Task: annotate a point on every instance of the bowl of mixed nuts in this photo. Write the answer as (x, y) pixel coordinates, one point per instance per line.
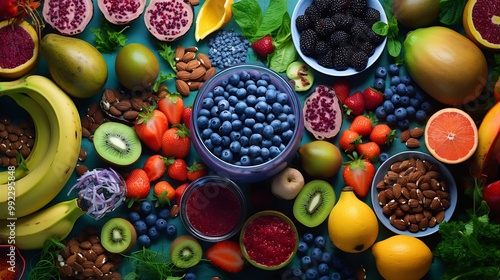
(412, 193)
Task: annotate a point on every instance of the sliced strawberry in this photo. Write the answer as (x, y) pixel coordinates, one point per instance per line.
(226, 255)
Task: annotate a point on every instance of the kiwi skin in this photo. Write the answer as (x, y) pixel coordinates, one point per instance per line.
(313, 215)
(185, 251)
(117, 143)
(121, 228)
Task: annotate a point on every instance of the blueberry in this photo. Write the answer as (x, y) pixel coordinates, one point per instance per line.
(207, 103)
(153, 233)
(190, 276)
(395, 99)
(270, 117)
(257, 160)
(227, 155)
(415, 102)
(254, 150)
(306, 262)
(218, 91)
(285, 126)
(302, 248)
(245, 160)
(323, 269)
(404, 101)
(277, 108)
(379, 84)
(282, 98)
(237, 125)
(146, 207)
(234, 79)
(261, 90)
(208, 144)
(320, 241)
(308, 237)
(250, 112)
(400, 113)
(276, 140)
(251, 100)
(150, 219)
(141, 227)
(225, 115)
(290, 118)
(388, 94)
(225, 128)
(161, 224)
(410, 90)
(217, 150)
(264, 152)
(395, 80)
(225, 141)
(426, 106)
(251, 89)
(233, 99)
(214, 123)
(171, 230)
(287, 135)
(410, 112)
(283, 116)
(258, 127)
(244, 141)
(316, 254)
(311, 274)
(388, 106)
(205, 133)
(224, 82)
(391, 120)
(276, 124)
(204, 112)
(380, 113)
(267, 131)
(401, 89)
(420, 116)
(381, 72)
(393, 69)
(262, 107)
(404, 124)
(405, 79)
(144, 240)
(244, 75)
(274, 151)
(243, 151)
(133, 216)
(235, 147)
(297, 272)
(249, 122)
(241, 93)
(216, 139)
(326, 257)
(383, 157)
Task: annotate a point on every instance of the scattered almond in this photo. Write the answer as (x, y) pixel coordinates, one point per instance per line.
(404, 136)
(412, 143)
(416, 132)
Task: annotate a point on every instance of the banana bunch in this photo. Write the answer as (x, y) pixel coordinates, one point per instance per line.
(30, 232)
(55, 153)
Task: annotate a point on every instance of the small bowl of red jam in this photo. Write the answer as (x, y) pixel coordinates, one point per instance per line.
(269, 240)
(213, 208)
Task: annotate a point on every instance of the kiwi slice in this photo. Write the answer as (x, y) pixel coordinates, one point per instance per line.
(117, 143)
(118, 235)
(314, 203)
(185, 251)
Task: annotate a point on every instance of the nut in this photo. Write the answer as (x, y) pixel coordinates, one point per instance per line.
(181, 65)
(416, 132)
(179, 53)
(404, 136)
(123, 105)
(193, 64)
(210, 73)
(204, 60)
(183, 75)
(182, 87)
(130, 115)
(412, 143)
(188, 56)
(197, 73)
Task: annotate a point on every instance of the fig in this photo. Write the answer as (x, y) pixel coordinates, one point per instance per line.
(169, 20)
(416, 13)
(445, 64)
(322, 113)
(68, 17)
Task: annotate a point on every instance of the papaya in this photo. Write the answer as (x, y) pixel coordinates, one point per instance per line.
(445, 64)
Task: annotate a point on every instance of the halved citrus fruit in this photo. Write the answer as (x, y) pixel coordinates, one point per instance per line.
(19, 49)
(451, 136)
(213, 15)
(481, 20)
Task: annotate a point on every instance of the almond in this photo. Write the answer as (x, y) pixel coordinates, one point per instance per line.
(204, 60)
(101, 260)
(193, 64)
(137, 103)
(382, 199)
(439, 217)
(179, 53)
(404, 136)
(181, 65)
(197, 73)
(416, 132)
(194, 85)
(182, 87)
(192, 49)
(93, 108)
(436, 203)
(82, 155)
(114, 111)
(130, 115)
(109, 95)
(66, 270)
(210, 73)
(412, 143)
(183, 75)
(400, 224)
(188, 56)
(85, 132)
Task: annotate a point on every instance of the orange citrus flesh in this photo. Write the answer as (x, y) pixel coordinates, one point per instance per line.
(213, 15)
(481, 21)
(24, 46)
(451, 135)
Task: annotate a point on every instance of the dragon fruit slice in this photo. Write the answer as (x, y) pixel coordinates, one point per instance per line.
(169, 20)
(68, 17)
(121, 11)
(322, 113)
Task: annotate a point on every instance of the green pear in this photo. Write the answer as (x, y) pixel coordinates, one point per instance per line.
(320, 159)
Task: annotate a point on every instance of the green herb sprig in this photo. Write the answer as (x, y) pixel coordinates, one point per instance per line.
(108, 39)
(46, 267)
(167, 53)
(151, 264)
(389, 29)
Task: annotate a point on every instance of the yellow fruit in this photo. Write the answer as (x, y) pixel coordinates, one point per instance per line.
(21, 42)
(352, 224)
(402, 257)
(213, 15)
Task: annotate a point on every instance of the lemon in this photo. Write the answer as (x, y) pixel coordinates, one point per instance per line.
(352, 224)
(402, 256)
(213, 15)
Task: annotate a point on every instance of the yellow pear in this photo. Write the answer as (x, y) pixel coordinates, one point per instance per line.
(352, 224)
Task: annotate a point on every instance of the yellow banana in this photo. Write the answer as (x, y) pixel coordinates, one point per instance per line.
(42, 133)
(30, 232)
(41, 185)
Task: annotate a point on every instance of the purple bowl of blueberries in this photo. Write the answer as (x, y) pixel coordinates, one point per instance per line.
(247, 123)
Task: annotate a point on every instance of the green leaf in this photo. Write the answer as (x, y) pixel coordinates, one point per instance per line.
(272, 18)
(108, 39)
(283, 56)
(381, 28)
(451, 11)
(394, 47)
(21, 162)
(161, 79)
(167, 53)
(248, 15)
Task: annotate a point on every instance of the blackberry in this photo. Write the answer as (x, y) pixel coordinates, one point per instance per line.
(358, 32)
(326, 59)
(358, 7)
(308, 40)
(324, 26)
(339, 38)
(358, 60)
(343, 21)
(371, 16)
(303, 22)
(338, 6)
(323, 6)
(341, 57)
(321, 48)
(367, 47)
(313, 12)
(373, 37)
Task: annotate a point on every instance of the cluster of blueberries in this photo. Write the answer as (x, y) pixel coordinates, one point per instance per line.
(228, 48)
(403, 100)
(318, 262)
(245, 119)
(150, 223)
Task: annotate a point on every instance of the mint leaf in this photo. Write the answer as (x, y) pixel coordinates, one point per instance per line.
(394, 47)
(451, 11)
(107, 39)
(248, 15)
(272, 19)
(381, 28)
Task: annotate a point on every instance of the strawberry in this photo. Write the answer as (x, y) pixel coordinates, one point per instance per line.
(196, 170)
(226, 255)
(177, 169)
(186, 116)
(179, 191)
(264, 46)
(342, 89)
(369, 150)
(373, 98)
(172, 106)
(155, 166)
(137, 184)
(349, 140)
(176, 141)
(354, 104)
(150, 126)
(382, 134)
(358, 173)
(164, 193)
(362, 124)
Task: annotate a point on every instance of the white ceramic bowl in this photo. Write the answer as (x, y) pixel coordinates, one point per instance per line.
(445, 175)
(299, 10)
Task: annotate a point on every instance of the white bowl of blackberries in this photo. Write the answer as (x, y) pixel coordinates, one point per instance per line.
(335, 37)
(247, 123)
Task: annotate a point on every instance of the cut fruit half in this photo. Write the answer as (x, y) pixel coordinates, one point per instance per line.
(118, 235)
(481, 20)
(19, 49)
(185, 251)
(117, 143)
(451, 136)
(213, 15)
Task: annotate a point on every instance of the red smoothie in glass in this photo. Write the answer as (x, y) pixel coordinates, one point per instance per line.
(213, 210)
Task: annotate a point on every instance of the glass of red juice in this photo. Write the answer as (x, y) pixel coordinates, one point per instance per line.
(213, 208)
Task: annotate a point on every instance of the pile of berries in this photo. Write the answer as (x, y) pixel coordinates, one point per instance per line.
(338, 34)
(403, 100)
(150, 223)
(317, 261)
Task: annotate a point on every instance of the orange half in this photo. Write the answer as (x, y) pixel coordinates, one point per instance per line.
(481, 21)
(212, 15)
(451, 136)
(23, 46)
